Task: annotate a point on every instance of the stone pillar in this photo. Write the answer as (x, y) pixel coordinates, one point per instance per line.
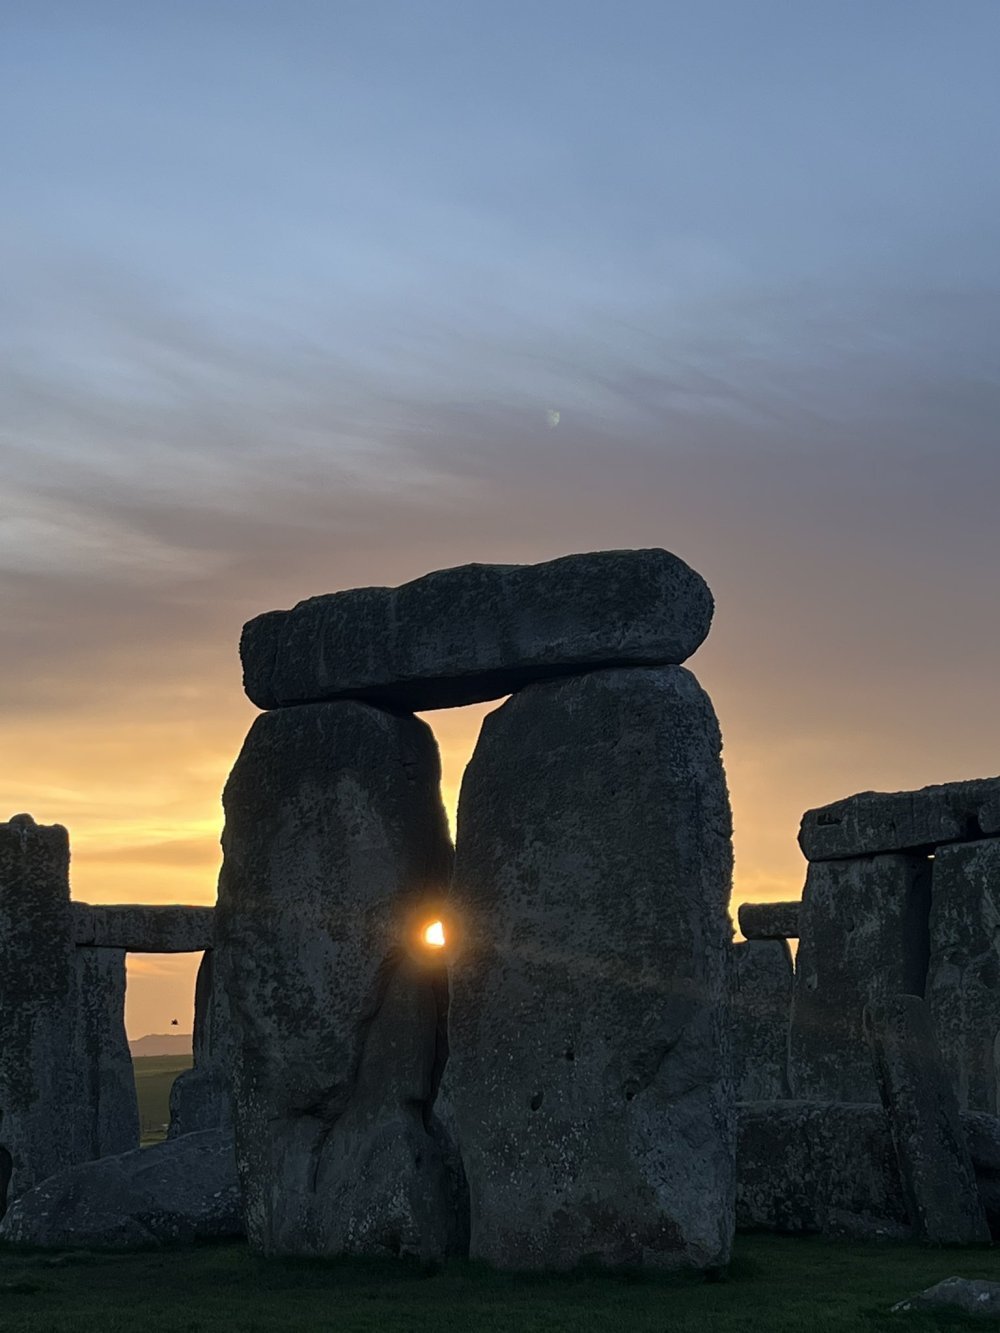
(589, 1075)
(963, 980)
(762, 1001)
(863, 936)
(40, 1120)
(110, 1122)
(336, 852)
(201, 1097)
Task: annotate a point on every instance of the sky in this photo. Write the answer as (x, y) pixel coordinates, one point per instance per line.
(302, 296)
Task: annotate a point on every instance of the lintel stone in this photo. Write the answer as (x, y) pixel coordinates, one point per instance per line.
(769, 921)
(142, 929)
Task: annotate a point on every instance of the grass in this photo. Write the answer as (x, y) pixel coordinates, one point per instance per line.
(154, 1077)
(775, 1285)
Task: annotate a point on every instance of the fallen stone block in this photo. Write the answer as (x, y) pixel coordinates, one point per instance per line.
(877, 821)
(935, 1166)
(477, 632)
(955, 1295)
(179, 1191)
(769, 921)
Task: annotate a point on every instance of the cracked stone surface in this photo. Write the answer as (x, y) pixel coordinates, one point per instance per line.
(588, 1077)
(336, 848)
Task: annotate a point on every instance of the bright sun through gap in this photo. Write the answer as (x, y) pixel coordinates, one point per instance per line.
(434, 935)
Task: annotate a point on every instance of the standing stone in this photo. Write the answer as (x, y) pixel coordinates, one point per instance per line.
(201, 1097)
(336, 851)
(863, 937)
(459, 636)
(39, 1096)
(589, 1026)
(927, 1133)
(111, 1118)
(762, 1001)
(963, 979)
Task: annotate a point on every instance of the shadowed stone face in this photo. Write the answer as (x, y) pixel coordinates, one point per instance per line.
(108, 1079)
(762, 1002)
(201, 1097)
(588, 1074)
(335, 847)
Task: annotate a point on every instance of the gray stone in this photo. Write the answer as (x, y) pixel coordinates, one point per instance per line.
(863, 937)
(180, 1191)
(201, 1097)
(770, 921)
(956, 1295)
(141, 929)
(762, 1001)
(336, 852)
(820, 1168)
(589, 1027)
(40, 1109)
(878, 821)
(931, 1149)
(111, 1113)
(982, 1134)
(478, 632)
(963, 977)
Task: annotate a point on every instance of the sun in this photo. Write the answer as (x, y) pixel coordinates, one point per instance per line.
(433, 935)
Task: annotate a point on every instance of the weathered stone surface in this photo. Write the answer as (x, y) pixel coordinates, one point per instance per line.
(336, 849)
(141, 929)
(39, 1087)
(822, 1168)
(934, 1163)
(963, 977)
(110, 1122)
(762, 1002)
(829, 1168)
(478, 632)
(201, 1097)
(589, 1026)
(878, 821)
(956, 1295)
(179, 1191)
(863, 937)
(769, 921)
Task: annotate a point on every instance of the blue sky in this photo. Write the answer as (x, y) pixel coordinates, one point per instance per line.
(290, 295)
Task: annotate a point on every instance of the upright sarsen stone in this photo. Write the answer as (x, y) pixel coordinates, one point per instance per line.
(762, 1003)
(201, 1097)
(863, 936)
(588, 1074)
(335, 847)
(963, 978)
(110, 1120)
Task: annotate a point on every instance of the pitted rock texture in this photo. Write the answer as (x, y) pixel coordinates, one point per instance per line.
(40, 1094)
(863, 937)
(588, 1074)
(877, 821)
(335, 850)
(110, 1120)
(201, 1097)
(963, 977)
(935, 1166)
(174, 1192)
(769, 921)
(477, 632)
(142, 929)
(762, 1004)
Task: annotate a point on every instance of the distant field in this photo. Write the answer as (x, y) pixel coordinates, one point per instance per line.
(154, 1077)
(775, 1285)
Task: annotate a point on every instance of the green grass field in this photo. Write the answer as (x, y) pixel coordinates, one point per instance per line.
(154, 1076)
(776, 1285)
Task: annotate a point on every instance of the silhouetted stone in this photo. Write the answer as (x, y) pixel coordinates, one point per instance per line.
(39, 1084)
(863, 937)
(876, 821)
(201, 1097)
(180, 1191)
(110, 1121)
(589, 1027)
(335, 848)
(142, 929)
(934, 1163)
(955, 1296)
(762, 1002)
(477, 632)
(963, 977)
(769, 921)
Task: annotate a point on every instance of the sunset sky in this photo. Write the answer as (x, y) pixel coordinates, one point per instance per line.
(302, 296)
